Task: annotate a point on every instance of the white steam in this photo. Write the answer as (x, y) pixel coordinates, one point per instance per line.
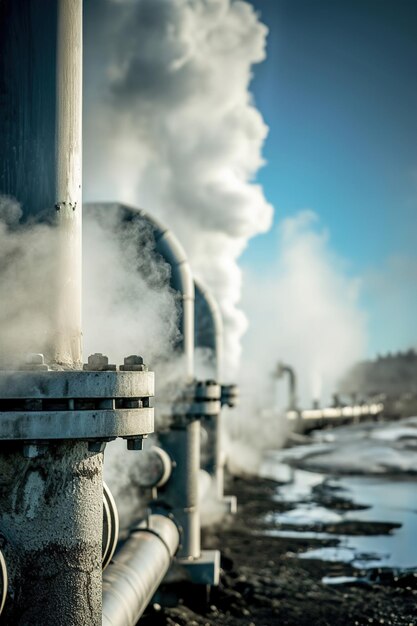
(308, 309)
(305, 313)
(170, 126)
(27, 280)
(128, 306)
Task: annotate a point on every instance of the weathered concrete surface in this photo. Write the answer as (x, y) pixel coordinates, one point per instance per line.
(51, 515)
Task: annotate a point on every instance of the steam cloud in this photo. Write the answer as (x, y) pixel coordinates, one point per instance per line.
(308, 310)
(170, 125)
(26, 284)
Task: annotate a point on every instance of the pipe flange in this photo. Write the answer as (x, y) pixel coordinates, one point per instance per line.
(199, 400)
(92, 405)
(230, 395)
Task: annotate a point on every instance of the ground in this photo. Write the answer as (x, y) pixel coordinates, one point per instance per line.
(264, 584)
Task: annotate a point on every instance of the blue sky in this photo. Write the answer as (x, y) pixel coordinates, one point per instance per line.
(339, 93)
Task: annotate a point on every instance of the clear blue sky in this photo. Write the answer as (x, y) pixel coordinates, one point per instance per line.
(339, 93)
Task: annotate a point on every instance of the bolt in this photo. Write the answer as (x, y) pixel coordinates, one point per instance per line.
(34, 450)
(96, 446)
(99, 362)
(133, 363)
(136, 443)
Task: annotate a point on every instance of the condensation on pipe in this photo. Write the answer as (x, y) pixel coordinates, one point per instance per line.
(208, 326)
(136, 572)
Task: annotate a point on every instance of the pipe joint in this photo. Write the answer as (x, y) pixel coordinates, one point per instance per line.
(200, 399)
(97, 404)
(230, 395)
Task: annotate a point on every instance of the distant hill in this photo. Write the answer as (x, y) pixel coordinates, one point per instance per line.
(393, 375)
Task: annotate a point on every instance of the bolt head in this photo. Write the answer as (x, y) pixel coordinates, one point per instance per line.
(133, 359)
(96, 446)
(98, 359)
(135, 443)
(99, 362)
(133, 363)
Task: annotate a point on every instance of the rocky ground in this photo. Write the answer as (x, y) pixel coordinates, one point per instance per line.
(263, 583)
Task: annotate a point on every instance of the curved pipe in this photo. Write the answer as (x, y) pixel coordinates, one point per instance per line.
(286, 369)
(133, 577)
(208, 326)
(182, 442)
(4, 582)
(181, 279)
(110, 526)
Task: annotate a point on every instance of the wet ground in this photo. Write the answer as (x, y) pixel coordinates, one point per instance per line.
(309, 552)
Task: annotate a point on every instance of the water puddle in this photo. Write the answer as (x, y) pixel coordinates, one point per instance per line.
(373, 520)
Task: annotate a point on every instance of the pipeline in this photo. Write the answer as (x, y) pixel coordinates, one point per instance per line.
(208, 327)
(309, 419)
(292, 380)
(192, 402)
(209, 335)
(133, 577)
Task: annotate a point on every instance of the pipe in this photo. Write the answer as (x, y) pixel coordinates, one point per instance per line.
(209, 334)
(208, 327)
(133, 577)
(40, 148)
(110, 526)
(182, 441)
(292, 380)
(181, 278)
(51, 501)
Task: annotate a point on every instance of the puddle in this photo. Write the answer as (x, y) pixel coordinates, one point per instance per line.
(371, 501)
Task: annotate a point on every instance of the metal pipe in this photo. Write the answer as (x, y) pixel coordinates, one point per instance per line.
(181, 491)
(181, 278)
(51, 512)
(40, 148)
(51, 498)
(110, 526)
(183, 440)
(292, 380)
(208, 327)
(209, 334)
(133, 577)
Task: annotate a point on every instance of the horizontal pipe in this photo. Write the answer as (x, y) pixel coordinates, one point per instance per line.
(137, 570)
(359, 410)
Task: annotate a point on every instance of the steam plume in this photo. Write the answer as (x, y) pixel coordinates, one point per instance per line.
(171, 126)
(308, 310)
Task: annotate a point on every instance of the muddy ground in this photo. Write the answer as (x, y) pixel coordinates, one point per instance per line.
(263, 583)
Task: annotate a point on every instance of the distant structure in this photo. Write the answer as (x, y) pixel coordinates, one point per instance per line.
(281, 370)
(393, 375)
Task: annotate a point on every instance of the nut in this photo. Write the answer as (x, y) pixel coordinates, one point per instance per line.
(99, 362)
(136, 443)
(96, 446)
(133, 363)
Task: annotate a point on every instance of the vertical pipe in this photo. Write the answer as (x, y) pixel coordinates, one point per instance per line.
(181, 491)
(68, 153)
(208, 327)
(209, 334)
(50, 495)
(51, 511)
(40, 147)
